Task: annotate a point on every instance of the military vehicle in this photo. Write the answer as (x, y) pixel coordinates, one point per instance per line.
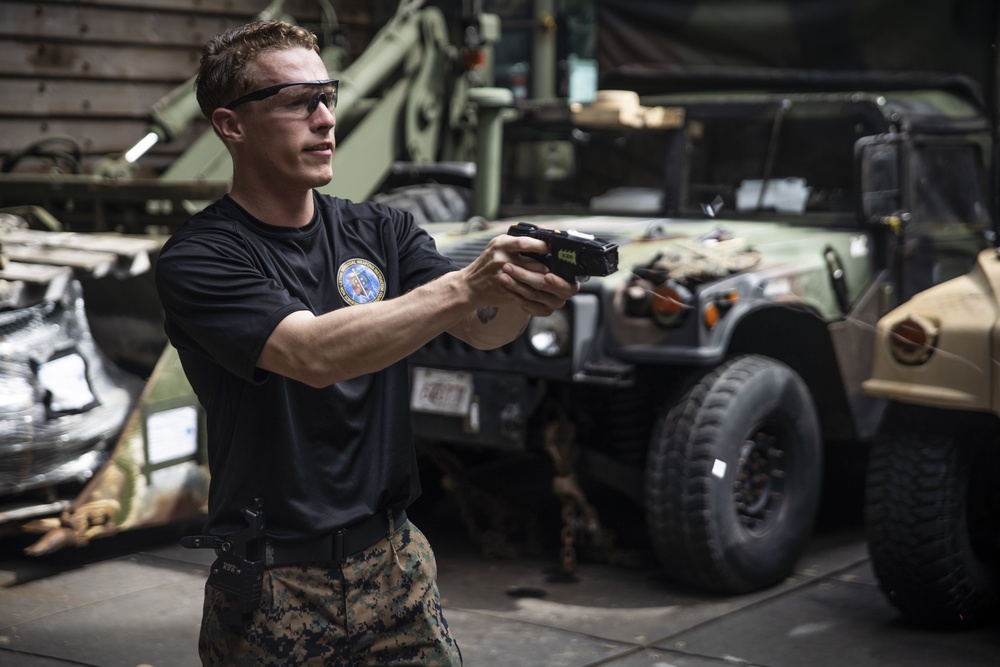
(765, 218)
(932, 513)
(99, 430)
(932, 508)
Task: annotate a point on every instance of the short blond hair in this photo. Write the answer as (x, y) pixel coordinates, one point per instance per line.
(227, 60)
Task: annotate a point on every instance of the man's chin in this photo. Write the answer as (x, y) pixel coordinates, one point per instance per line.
(319, 179)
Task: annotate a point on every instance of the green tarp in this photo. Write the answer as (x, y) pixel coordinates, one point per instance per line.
(824, 42)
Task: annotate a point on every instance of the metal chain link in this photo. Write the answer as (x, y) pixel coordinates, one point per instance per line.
(493, 540)
(560, 443)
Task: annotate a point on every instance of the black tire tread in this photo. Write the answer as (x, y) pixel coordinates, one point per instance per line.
(916, 492)
(678, 475)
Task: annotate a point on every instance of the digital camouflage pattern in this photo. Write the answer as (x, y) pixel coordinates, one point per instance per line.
(381, 608)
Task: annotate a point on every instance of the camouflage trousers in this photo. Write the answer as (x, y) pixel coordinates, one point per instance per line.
(381, 607)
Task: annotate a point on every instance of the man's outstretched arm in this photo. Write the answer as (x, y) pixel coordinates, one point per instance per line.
(486, 304)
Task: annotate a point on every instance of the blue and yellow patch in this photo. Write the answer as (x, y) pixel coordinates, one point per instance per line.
(360, 281)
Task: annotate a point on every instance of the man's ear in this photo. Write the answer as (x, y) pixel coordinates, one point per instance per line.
(227, 124)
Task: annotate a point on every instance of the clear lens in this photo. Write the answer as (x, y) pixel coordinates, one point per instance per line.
(551, 336)
(302, 100)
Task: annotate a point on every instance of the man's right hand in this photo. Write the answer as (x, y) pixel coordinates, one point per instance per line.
(504, 276)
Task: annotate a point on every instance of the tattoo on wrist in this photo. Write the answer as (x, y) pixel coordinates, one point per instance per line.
(487, 313)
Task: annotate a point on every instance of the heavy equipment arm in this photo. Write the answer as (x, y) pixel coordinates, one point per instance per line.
(401, 100)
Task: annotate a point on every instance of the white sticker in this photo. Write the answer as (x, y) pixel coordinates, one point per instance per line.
(66, 380)
(719, 469)
(172, 434)
(778, 287)
(859, 246)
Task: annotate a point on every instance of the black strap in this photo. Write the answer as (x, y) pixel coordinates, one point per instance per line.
(201, 542)
(339, 546)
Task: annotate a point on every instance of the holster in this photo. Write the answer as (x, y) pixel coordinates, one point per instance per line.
(238, 572)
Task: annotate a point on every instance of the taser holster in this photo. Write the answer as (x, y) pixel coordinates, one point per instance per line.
(238, 572)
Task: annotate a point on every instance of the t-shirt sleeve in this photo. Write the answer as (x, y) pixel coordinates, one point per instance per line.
(420, 261)
(218, 302)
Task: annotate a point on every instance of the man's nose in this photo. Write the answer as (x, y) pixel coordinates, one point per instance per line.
(324, 115)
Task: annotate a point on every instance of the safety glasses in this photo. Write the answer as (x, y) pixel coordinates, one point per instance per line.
(294, 98)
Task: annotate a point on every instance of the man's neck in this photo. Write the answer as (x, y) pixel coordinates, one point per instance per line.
(290, 210)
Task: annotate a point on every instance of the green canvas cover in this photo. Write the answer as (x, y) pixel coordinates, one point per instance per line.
(818, 43)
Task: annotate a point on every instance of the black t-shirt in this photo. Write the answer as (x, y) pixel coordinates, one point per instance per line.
(320, 458)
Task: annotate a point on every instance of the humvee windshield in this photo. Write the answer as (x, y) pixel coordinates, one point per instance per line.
(790, 159)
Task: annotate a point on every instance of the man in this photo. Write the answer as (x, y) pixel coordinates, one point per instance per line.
(293, 314)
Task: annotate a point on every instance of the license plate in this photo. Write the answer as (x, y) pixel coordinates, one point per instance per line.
(441, 392)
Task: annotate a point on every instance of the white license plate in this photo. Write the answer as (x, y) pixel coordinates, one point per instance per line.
(441, 392)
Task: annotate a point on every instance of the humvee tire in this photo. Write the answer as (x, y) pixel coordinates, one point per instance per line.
(733, 477)
(918, 514)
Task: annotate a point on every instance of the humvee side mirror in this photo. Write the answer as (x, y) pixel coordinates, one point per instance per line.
(880, 188)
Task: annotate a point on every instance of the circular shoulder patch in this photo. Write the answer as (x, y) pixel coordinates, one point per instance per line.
(360, 281)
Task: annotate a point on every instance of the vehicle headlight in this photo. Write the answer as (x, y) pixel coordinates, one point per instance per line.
(912, 340)
(551, 336)
(671, 302)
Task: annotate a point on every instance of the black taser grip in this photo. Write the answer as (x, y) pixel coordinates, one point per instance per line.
(572, 256)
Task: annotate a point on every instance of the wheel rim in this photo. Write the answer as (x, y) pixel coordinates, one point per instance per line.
(758, 487)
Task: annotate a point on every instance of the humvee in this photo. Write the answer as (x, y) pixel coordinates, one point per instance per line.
(760, 234)
(933, 509)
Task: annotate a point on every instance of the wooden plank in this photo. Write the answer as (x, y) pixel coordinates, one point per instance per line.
(95, 264)
(130, 256)
(36, 273)
(106, 26)
(122, 246)
(68, 98)
(300, 9)
(34, 58)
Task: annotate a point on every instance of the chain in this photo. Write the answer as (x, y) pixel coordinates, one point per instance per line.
(567, 552)
(559, 435)
(576, 510)
(492, 540)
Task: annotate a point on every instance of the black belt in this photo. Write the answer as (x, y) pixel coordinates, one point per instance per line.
(338, 546)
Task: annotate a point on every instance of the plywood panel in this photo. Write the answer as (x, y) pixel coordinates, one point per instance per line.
(74, 22)
(68, 98)
(81, 60)
(302, 10)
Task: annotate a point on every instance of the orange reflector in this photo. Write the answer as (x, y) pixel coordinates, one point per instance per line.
(909, 336)
(711, 315)
(473, 59)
